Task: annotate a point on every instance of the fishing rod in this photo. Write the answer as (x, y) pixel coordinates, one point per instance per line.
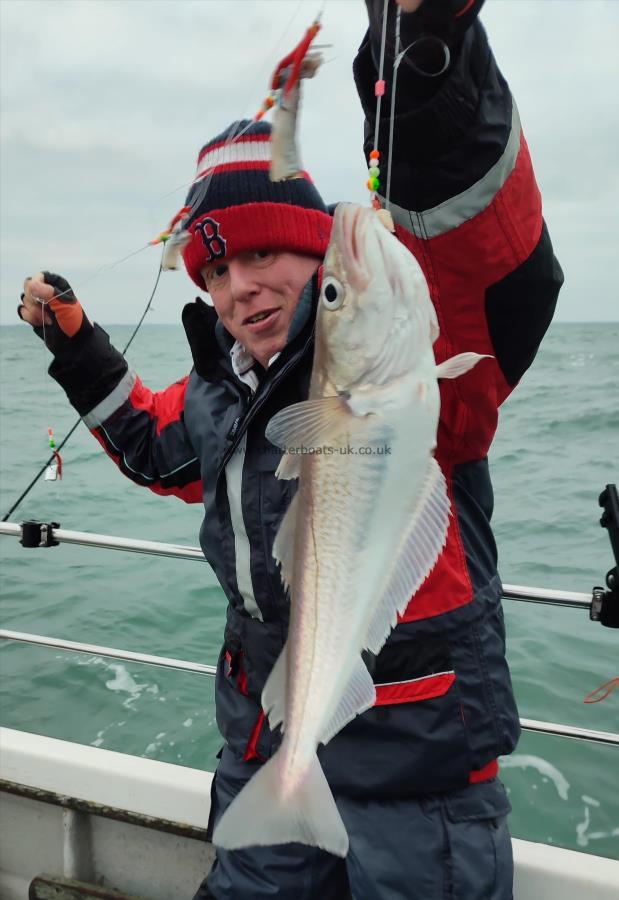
(51, 459)
(172, 238)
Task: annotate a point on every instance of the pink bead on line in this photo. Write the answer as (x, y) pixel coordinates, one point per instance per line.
(379, 88)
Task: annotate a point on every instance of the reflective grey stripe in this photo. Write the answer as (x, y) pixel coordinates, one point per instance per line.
(465, 206)
(112, 402)
(234, 482)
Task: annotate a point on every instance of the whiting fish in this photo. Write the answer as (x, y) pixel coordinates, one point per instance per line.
(366, 525)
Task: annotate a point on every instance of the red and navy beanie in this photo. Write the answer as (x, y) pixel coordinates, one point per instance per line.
(235, 207)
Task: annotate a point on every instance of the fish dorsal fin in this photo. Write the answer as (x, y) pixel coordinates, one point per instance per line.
(417, 553)
(310, 423)
(459, 364)
(360, 694)
(275, 689)
(283, 545)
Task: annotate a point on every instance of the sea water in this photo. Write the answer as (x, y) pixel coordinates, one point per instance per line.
(557, 447)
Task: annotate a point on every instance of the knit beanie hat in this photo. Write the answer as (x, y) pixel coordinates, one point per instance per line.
(235, 207)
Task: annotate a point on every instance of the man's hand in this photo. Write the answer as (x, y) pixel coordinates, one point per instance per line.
(445, 21)
(50, 306)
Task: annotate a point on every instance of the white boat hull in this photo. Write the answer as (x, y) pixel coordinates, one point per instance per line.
(138, 826)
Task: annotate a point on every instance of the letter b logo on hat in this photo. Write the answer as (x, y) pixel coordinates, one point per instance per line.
(213, 242)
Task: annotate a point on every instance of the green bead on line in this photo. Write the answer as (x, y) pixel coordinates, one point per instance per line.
(375, 184)
(373, 171)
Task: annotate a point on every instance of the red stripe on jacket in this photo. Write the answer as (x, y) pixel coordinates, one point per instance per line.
(458, 273)
(415, 689)
(164, 406)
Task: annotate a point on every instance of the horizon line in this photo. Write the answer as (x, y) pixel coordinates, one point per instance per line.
(180, 324)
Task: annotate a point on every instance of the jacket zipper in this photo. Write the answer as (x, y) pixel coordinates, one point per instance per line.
(256, 405)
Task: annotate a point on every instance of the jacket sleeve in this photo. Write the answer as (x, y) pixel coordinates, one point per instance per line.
(143, 432)
(465, 201)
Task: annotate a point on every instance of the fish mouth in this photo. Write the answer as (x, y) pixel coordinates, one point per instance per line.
(349, 228)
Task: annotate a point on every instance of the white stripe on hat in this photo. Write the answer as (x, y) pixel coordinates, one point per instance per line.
(240, 152)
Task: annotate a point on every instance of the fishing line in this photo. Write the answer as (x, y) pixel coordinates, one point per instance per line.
(248, 101)
(205, 178)
(374, 167)
(232, 138)
(381, 71)
(397, 58)
(399, 55)
(107, 267)
(52, 458)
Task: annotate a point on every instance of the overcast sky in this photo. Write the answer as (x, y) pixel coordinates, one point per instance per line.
(105, 103)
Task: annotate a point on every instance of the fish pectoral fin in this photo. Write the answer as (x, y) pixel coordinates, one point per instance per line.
(310, 424)
(289, 467)
(459, 364)
(283, 545)
(275, 689)
(360, 694)
(264, 813)
(415, 557)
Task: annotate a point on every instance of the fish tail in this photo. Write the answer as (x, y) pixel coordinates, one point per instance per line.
(262, 814)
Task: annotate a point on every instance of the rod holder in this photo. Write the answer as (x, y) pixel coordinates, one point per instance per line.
(38, 534)
(605, 602)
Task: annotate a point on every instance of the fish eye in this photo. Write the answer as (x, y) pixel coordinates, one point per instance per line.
(332, 293)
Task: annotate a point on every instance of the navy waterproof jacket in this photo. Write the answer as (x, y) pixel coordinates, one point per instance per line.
(465, 201)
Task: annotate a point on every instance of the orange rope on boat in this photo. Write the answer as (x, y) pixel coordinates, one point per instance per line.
(604, 690)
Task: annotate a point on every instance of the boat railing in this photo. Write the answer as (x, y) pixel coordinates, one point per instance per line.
(51, 535)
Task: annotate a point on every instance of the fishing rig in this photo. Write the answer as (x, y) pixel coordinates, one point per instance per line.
(283, 94)
(602, 604)
(301, 62)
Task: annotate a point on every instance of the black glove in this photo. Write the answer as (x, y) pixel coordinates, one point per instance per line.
(68, 321)
(445, 20)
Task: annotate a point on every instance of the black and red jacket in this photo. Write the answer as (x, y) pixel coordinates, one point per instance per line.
(466, 203)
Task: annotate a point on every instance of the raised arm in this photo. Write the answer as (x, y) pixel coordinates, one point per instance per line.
(143, 432)
(464, 199)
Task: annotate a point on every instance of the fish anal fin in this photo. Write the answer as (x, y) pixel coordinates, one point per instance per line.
(274, 691)
(360, 694)
(415, 557)
(458, 365)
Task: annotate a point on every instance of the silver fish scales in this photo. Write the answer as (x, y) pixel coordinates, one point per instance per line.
(365, 528)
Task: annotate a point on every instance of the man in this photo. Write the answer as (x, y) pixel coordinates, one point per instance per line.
(414, 777)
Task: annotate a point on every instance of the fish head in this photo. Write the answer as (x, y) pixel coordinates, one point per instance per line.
(375, 319)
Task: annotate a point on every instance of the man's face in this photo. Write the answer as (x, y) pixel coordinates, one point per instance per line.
(256, 294)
